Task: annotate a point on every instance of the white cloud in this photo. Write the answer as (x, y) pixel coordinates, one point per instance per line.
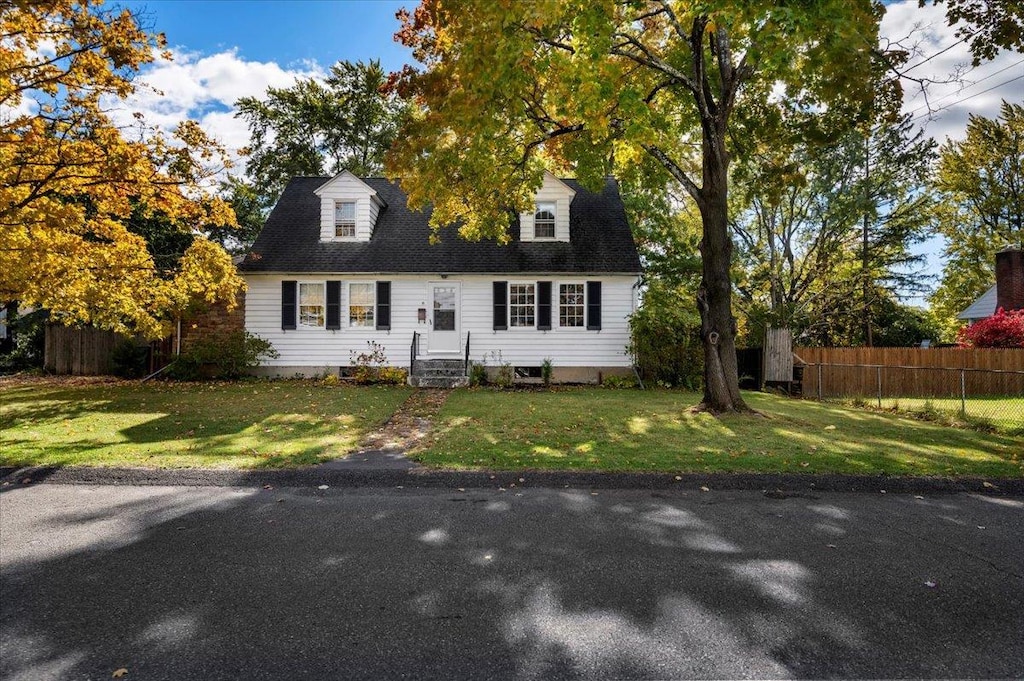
(205, 88)
(924, 29)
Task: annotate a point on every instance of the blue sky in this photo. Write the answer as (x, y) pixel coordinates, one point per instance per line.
(287, 32)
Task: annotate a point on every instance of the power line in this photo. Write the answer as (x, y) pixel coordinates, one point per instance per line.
(942, 51)
(968, 87)
(964, 99)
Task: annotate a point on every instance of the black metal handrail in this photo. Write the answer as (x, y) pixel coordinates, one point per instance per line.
(413, 351)
(465, 366)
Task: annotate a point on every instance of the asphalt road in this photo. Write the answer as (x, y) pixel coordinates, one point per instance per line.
(225, 583)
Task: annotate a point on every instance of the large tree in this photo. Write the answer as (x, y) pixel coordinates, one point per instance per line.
(980, 180)
(593, 86)
(826, 229)
(317, 127)
(70, 178)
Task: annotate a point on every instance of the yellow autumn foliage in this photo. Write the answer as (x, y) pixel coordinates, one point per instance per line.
(69, 175)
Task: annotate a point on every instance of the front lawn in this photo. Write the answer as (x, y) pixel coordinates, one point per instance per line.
(627, 430)
(262, 424)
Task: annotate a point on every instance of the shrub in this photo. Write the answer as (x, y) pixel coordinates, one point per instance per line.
(1001, 330)
(545, 370)
(129, 360)
(29, 332)
(618, 382)
(369, 367)
(478, 374)
(229, 356)
(665, 339)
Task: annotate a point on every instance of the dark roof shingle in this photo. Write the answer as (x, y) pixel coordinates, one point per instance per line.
(600, 239)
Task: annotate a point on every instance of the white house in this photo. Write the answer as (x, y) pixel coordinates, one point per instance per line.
(342, 262)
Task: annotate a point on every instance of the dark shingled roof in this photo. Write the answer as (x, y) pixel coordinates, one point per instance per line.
(601, 240)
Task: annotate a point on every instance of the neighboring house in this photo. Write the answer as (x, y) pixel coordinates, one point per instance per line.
(342, 262)
(1008, 292)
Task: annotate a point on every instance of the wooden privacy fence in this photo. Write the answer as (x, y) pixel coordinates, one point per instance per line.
(87, 351)
(895, 372)
(79, 351)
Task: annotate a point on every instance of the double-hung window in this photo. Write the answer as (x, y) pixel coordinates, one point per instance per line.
(522, 305)
(544, 221)
(360, 305)
(345, 219)
(571, 307)
(312, 307)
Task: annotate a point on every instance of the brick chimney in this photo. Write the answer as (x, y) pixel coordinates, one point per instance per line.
(1010, 279)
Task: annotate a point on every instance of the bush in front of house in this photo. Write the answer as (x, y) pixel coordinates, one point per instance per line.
(665, 340)
(229, 356)
(370, 367)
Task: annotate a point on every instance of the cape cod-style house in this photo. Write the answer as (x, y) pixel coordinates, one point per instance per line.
(342, 263)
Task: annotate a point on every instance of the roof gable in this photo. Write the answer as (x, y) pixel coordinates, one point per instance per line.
(345, 180)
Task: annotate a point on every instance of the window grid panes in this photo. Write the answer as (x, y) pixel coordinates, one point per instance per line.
(345, 219)
(544, 221)
(570, 305)
(311, 305)
(521, 307)
(360, 304)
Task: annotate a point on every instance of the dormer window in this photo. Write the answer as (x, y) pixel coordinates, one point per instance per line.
(345, 219)
(544, 221)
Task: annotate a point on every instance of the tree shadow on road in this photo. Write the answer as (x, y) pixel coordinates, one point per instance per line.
(304, 583)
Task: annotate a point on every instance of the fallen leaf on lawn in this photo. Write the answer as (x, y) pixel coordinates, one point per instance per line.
(705, 489)
(118, 673)
(930, 584)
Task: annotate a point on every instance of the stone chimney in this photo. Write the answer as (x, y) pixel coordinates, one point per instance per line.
(1010, 279)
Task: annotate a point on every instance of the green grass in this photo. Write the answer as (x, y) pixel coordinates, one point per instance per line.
(625, 430)
(171, 425)
(1002, 414)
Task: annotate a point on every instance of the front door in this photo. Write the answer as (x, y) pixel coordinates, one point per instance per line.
(443, 331)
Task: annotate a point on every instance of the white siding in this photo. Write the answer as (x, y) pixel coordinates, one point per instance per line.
(575, 347)
(347, 187)
(558, 192)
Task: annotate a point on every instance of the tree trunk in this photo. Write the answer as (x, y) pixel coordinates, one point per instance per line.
(714, 299)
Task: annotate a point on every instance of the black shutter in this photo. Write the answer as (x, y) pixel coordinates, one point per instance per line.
(288, 304)
(383, 305)
(500, 305)
(334, 305)
(543, 305)
(594, 305)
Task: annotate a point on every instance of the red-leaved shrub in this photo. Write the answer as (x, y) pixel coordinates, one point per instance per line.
(1001, 330)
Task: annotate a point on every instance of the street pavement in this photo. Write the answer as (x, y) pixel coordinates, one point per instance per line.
(306, 583)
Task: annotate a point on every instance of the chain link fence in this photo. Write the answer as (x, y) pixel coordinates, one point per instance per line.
(988, 398)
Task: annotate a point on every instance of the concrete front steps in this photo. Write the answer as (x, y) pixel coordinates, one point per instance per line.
(439, 373)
